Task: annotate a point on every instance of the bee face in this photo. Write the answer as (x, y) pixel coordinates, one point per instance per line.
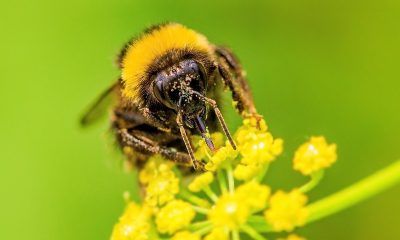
(175, 88)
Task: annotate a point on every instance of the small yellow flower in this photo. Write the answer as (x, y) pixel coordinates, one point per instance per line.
(254, 123)
(202, 150)
(314, 155)
(176, 215)
(257, 146)
(229, 212)
(218, 234)
(155, 166)
(287, 210)
(277, 147)
(254, 195)
(223, 156)
(162, 189)
(201, 181)
(250, 126)
(185, 235)
(246, 172)
(133, 224)
(292, 237)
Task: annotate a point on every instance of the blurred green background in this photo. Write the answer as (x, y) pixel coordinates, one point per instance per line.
(316, 67)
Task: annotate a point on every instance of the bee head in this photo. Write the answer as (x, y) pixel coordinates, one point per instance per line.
(182, 88)
(174, 87)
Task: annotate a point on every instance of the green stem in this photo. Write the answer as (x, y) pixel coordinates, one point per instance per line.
(153, 234)
(231, 180)
(362, 190)
(222, 181)
(193, 199)
(204, 230)
(356, 193)
(235, 235)
(315, 179)
(252, 232)
(199, 225)
(263, 172)
(200, 210)
(210, 193)
(259, 224)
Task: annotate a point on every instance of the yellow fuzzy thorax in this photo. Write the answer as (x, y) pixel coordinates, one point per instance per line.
(143, 52)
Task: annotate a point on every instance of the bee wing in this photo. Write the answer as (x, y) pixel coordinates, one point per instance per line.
(99, 108)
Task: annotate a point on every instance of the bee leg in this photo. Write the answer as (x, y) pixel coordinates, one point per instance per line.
(142, 144)
(154, 120)
(136, 118)
(234, 77)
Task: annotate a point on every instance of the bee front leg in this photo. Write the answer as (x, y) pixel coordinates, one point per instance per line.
(140, 143)
(154, 120)
(234, 77)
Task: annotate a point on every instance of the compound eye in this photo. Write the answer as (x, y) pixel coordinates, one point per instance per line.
(159, 91)
(200, 83)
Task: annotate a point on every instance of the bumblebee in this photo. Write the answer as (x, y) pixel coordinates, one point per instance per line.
(169, 89)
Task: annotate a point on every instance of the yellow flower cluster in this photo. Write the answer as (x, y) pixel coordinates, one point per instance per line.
(171, 215)
(222, 158)
(133, 224)
(202, 150)
(256, 145)
(254, 195)
(175, 216)
(257, 148)
(287, 210)
(185, 235)
(231, 210)
(314, 155)
(217, 234)
(155, 166)
(201, 181)
(160, 181)
(223, 202)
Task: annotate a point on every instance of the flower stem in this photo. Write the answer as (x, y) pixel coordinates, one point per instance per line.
(193, 199)
(259, 224)
(315, 179)
(222, 181)
(153, 232)
(204, 230)
(355, 193)
(231, 181)
(235, 235)
(199, 225)
(252, 232)
(210, 193)
(263, 172)
(362, 190)
(200, 210)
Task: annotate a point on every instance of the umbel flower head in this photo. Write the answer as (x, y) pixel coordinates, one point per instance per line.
(314, 155)
(287, 210)
(175, 215)
(133, 224)
(231, 199)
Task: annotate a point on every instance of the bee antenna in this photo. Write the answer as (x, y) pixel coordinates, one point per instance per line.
(218, 113)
